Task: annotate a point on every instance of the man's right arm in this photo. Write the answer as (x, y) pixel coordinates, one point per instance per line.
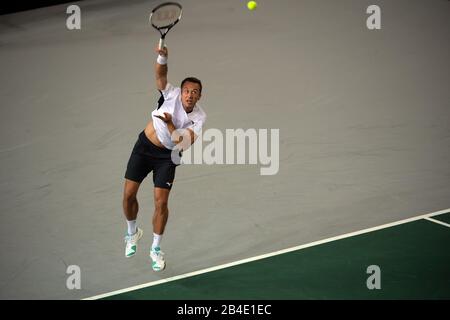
(161, 69)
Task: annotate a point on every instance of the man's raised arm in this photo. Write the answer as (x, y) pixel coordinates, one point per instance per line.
(161, 68)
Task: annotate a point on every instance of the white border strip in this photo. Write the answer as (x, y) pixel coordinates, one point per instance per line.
(227, 265)
(437, 221)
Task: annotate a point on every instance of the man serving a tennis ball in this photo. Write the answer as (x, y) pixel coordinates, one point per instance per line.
(177, 120)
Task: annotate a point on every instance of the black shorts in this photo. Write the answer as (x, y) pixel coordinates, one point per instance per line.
(147, 157)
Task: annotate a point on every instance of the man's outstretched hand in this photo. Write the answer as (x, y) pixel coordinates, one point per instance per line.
(167, 117)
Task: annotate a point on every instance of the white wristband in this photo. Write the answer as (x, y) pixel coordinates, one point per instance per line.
(161, 59)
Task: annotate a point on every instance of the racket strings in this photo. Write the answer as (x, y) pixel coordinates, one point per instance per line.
(165, 16)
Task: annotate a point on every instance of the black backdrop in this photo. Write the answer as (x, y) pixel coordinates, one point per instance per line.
(22, 5)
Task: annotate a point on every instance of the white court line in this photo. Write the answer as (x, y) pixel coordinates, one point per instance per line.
(437, 221)
(227, 265)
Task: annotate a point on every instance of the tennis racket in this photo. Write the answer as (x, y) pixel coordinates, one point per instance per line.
(164, 17)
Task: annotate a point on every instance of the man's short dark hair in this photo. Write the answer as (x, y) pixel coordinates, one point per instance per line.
(192, 79)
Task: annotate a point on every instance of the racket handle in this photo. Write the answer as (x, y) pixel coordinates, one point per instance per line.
(161, 43)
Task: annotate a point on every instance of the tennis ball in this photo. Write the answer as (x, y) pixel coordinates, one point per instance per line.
(251, 5)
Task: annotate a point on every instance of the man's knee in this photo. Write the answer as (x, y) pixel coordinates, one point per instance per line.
(129, 196)
(130, 191)
(161, 205)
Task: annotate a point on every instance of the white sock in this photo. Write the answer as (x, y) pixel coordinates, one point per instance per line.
(131, 227)
(156, 240)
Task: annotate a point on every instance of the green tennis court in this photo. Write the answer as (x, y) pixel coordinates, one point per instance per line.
(413, 260)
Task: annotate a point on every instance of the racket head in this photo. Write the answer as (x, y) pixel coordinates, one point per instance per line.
(165, 16)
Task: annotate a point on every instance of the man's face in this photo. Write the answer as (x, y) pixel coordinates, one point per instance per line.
(190, 94)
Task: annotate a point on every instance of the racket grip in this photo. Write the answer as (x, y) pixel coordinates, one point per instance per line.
(161, 43)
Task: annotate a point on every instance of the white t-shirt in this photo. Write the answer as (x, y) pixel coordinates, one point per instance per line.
(172, 104)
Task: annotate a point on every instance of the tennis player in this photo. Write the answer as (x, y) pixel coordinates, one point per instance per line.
(177, 109)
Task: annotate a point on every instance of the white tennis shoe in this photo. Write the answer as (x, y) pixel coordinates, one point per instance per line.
(157, 256)
(131, 243)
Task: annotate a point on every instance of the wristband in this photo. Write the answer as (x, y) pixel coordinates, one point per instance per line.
(161, 60)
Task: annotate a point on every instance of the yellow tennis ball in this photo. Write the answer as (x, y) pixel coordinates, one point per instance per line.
(251, 5)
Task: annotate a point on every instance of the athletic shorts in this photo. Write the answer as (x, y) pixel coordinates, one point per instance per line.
(147, 157)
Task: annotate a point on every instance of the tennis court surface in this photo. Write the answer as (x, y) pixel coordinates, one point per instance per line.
(412, 258)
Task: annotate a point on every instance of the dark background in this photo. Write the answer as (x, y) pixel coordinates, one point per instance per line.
(16, 6)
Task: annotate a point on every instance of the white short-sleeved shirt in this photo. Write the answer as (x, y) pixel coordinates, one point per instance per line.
(172, 104)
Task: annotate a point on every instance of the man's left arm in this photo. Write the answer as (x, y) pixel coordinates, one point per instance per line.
(186, 139)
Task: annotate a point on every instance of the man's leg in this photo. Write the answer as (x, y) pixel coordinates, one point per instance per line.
(160, 216)
(161, 198)
(130, 203)
(130, 209)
